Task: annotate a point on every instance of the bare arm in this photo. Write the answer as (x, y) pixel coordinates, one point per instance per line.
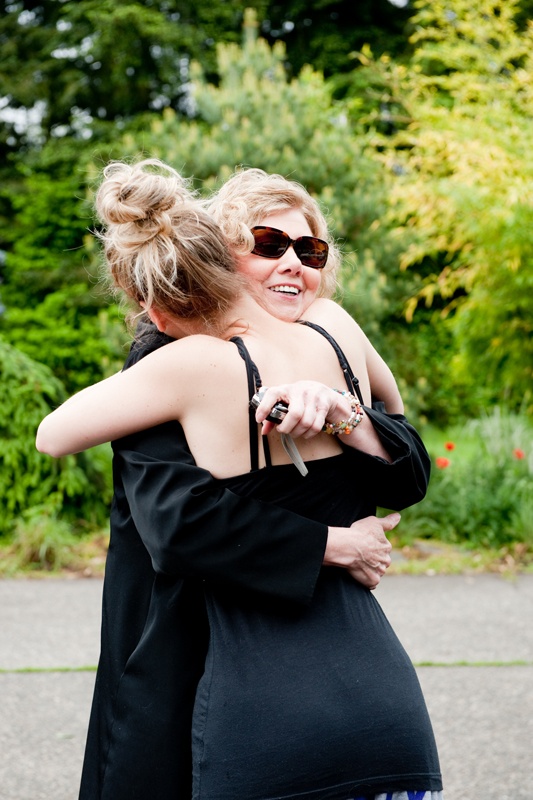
(157, 389)
(112, 407)
(339, 324)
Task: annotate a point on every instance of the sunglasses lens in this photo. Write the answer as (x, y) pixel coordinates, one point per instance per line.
(311, 251)
(273, 243)
(269, 243)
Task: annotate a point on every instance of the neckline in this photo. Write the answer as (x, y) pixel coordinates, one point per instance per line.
(313, 465)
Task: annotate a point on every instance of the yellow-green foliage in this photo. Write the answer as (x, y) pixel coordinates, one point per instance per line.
(463, 199)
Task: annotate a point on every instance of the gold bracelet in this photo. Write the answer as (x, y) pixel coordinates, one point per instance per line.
(346, 426)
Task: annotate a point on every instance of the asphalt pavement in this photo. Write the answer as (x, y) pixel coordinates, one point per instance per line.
(470, 637)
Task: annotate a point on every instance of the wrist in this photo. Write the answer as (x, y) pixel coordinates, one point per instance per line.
(339, 548)
(349, 421)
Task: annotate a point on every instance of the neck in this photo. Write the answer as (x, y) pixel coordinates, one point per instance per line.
(246, 316)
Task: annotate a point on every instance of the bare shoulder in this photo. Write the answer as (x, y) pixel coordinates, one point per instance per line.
(374, 374)
(198, 347)
(335, 319)
(190, 361)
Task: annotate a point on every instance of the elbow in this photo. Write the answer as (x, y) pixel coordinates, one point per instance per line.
(47, 444)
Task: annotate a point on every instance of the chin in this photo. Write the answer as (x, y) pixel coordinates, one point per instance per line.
(284, 310)
(286, 314)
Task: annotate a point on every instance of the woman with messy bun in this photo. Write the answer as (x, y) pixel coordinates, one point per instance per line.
(316, 702)
(153, 252)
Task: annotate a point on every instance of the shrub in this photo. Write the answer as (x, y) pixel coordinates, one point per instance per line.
(78, 486)
(482, 485)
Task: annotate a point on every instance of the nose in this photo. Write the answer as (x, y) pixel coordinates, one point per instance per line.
(289, 262)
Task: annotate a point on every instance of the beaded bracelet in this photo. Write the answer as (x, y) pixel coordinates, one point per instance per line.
(346, 426)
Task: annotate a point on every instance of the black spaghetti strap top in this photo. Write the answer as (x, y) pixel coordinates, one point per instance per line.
(254, 384)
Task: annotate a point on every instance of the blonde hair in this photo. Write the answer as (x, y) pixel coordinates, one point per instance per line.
(250, 195)
(162, 249)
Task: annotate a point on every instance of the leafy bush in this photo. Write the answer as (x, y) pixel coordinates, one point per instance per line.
(481, 491)
(50, 281)
(78, 486)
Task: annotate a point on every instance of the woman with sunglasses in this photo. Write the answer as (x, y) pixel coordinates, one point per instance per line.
(318, 703)
(242, 206)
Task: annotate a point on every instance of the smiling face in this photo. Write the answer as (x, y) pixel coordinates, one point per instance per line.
(283, 286)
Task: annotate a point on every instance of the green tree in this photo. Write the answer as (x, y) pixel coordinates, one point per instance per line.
(75, 62)
(55, 308)
(325, 33)
(68, 65)
(460, 194)
(259, 116)
(424, 169)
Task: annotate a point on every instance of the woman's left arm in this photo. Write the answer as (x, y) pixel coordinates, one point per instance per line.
(310, 406)
(331, 316)
(390, 454)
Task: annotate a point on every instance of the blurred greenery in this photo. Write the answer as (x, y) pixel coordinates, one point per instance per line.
(31, 483)
(481, 492)
(412, 127)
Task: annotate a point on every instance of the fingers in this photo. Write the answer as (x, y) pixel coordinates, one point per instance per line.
(362, 549)
(368, 579)
(374, 549)
(304, 420)
(309, 403)
(371, 574)
(390, 521)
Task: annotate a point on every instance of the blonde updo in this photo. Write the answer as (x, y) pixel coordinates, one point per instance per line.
(162, 249)
(251, 195)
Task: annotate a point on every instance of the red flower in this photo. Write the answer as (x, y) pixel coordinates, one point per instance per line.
(518, 453)
(449, 446)
(442, 462)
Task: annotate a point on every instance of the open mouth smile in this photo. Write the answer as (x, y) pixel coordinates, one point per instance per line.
(284, 289)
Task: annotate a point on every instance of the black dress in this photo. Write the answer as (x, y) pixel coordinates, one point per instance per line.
(321, 703)
(171, 526)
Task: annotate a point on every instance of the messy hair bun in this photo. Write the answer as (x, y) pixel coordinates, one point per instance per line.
(162, 249)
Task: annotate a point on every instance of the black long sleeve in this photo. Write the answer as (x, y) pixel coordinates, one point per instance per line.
(404, 481)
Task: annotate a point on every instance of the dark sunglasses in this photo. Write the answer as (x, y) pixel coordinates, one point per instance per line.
(273, 243)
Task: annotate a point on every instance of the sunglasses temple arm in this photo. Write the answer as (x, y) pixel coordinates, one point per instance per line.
(292, 451)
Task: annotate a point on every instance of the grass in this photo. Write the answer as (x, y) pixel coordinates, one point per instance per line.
(66, 555)
(432, 557)
(84, 557)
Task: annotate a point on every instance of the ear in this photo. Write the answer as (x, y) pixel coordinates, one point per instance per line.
(159, 319)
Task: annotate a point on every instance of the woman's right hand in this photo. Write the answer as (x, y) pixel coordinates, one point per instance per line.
(309, 402)
(363, 548)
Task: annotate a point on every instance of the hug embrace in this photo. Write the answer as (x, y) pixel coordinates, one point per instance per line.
(244, 655)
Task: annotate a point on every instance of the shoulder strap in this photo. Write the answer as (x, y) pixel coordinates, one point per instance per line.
(351, 381)
(254, 384)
